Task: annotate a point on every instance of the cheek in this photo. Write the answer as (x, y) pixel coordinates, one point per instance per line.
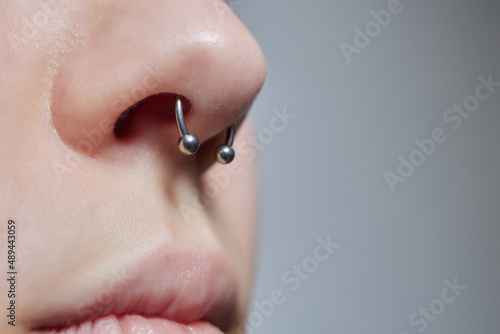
(29, 146)
(35, 28)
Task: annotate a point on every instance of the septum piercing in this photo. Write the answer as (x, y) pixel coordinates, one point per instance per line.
(189, 143)
(224, 154)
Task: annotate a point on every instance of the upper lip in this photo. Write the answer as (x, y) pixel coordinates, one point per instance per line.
(176, 282)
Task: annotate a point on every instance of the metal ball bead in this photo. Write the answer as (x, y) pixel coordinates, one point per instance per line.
(224, 154)
(189, 144)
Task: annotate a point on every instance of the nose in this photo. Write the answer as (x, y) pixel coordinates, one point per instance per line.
(133, 60)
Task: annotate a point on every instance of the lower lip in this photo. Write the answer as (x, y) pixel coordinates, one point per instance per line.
(134, 324)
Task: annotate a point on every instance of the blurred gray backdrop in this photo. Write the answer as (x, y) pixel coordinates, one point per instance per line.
(378, 128)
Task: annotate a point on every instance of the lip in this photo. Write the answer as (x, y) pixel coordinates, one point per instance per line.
(134, 324)
(171, 289)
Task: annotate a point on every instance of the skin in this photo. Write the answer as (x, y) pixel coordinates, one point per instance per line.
(86, 201)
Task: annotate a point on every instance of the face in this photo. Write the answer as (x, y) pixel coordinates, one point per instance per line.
(116, 230)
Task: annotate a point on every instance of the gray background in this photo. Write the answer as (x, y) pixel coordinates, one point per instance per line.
(324, 174)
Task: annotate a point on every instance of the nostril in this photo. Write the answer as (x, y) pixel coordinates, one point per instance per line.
(120, 126)
(153, 110)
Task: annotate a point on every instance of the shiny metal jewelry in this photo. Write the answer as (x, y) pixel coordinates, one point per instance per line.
(188, 143)
(224, 154)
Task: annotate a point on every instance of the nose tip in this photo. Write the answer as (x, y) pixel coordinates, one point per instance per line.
(222, 68)
(198, 50)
